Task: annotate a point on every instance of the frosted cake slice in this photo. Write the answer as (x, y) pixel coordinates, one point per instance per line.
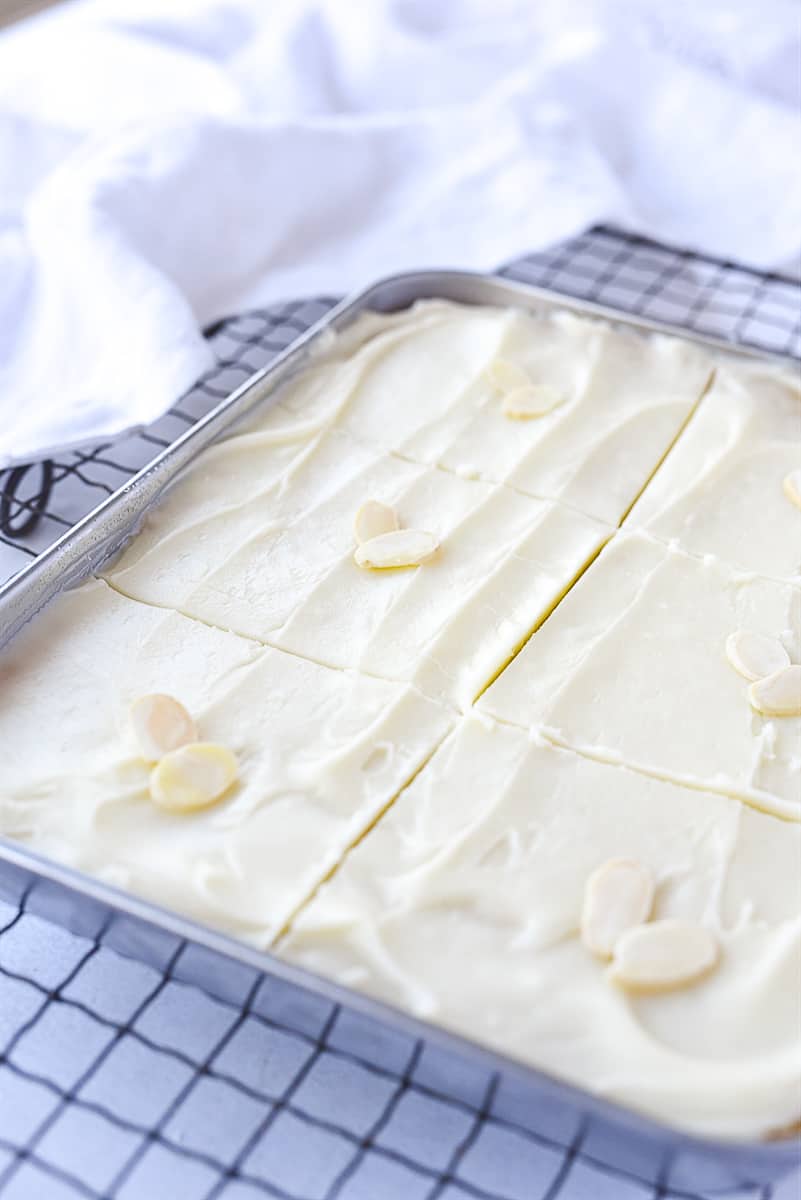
(558, 405)
(727, 486)
(320, 753)
(280, 567)
(633, 666)
(465, 905)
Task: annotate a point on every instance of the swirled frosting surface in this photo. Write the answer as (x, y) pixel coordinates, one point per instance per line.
(417, 384)
(632, 667)
(279, 567)
(463, 905)
(569, 678)
(719, 491)
(320, 752)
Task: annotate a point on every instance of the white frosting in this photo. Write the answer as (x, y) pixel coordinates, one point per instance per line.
(334, 684)
(632, 666)
(419, 386)
(320, 754)
(279, 567)
(464, 905)
(719, 491)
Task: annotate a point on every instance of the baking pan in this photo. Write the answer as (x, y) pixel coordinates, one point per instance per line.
(561, 1115)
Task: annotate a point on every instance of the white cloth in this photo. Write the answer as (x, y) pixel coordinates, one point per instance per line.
(164, 163)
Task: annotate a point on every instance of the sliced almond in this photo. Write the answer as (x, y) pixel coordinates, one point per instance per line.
(373, 519)
(663, 955)
(617, 896)
(400, 548)
(792, 487)
(505, 376)
(193, 777)
(755, 655)
(161, 723)
(779, 695)
(534, 400)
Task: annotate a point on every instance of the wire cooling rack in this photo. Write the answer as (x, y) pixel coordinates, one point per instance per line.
(119, 1081)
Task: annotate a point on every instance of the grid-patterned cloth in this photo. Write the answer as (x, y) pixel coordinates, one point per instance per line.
(119, 1080)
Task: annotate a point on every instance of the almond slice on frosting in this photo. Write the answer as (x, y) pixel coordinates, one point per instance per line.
(400, 548)
(534, 400)
(193, 777)
(505, 375)
(161, 723)
(755, 655)
(663, 955)
(792, 487)
(779, 694)
(617, 896)
(373, 519)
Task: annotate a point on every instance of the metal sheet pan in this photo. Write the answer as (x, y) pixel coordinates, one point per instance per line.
(626, 1141)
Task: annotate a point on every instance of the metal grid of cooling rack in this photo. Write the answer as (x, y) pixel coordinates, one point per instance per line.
(121, 1081)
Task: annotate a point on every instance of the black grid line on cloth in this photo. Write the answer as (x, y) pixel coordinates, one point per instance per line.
(200, 1070)
(624, 272)
(70, 1094)
(377, 1126)
(557, 1184)
(482, 1114)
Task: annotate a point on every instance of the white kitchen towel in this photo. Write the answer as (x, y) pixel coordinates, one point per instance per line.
(164, 163)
